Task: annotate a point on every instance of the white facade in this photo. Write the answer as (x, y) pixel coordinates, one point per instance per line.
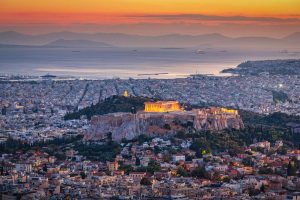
(23, 167)
(177, 158)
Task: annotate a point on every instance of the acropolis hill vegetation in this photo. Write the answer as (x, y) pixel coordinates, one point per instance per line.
(110, 105)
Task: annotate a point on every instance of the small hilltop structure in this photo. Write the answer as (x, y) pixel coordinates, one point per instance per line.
(126, 93)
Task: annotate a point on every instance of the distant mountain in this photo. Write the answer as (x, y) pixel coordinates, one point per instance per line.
(76, 43)
(294, 37)
(15, 46)
(125, 40)
(256, 41)
(11, 37)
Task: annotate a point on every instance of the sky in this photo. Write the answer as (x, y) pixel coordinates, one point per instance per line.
(274, 18)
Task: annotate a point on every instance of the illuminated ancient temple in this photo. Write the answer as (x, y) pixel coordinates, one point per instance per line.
(162, 106)
(218, 111)
(229, 111)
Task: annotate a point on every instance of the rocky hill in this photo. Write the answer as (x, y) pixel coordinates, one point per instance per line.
(129, 125)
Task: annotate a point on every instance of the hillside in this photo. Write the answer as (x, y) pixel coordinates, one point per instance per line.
(110, 105)
(277, 119)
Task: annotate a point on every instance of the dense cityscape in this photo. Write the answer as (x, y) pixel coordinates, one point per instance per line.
(46, 155)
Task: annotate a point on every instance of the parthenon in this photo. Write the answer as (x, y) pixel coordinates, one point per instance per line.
(162, 106)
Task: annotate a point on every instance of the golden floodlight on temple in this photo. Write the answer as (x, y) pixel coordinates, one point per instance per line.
(229, 111)
(162, 106)
(125, 94)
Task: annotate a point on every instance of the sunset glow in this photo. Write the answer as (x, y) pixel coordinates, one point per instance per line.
(56, 11)
(32, 13)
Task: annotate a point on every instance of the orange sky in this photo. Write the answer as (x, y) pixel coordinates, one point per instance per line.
(65, 12)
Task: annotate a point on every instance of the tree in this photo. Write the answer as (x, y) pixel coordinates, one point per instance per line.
(180, 134)
(198, 172)
(182, 172)
(3, 111)
(265, 170)
(253, 192)
(143, 138)
(291, 170)
(226, 179)
(248, 161)
(145, 181)
(216, 176)
(2, 168)
(263, 188)
(137, 161)
(153, 166)
(124, 140)
(45, 168)
(167, 126)
(126, 168)
(156, 150)
(109, 136)
(83, 175)
(167, 158)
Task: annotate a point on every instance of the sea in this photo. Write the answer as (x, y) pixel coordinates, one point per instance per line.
(138, 63)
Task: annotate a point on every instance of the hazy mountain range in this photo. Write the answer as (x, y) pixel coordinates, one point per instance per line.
(73, 39)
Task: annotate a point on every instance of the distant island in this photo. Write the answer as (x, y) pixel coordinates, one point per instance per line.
(77, 43)
(153, 74)
(48, 76)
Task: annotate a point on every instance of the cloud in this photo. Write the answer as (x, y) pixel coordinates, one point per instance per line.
(219, 18)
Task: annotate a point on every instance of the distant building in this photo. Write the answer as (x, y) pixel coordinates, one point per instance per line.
(162, 106)
(178, 157)
(23, 167)
(137, 176)
(119, 173)
(112, 166)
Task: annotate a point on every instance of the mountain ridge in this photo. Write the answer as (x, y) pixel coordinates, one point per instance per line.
(169, 40)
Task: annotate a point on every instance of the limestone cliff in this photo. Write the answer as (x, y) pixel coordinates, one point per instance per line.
(127, 125)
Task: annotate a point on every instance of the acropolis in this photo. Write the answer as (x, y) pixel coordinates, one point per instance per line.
(153, 119)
